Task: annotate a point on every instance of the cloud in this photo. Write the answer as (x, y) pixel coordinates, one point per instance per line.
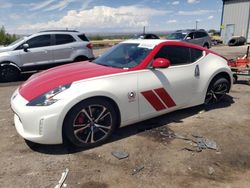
(50, 5)
(176, 3)
(192, 1)
(60, 6)
(4, 5)
(101, 17)
(42, 5)
(193, 13)
(86, 4)
(14, 16)
(171, 21)
(210, 17)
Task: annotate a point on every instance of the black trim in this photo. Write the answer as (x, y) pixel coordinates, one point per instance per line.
(59, 31)
(43, 66)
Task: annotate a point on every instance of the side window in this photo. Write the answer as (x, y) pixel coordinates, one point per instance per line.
(63, 39)
(200, 34)
(39, 41)
(195, 54)
(83, 37)
(177, 55)
(191, 35)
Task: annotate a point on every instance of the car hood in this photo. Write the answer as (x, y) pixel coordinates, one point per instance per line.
(45, 81)
(5, 49)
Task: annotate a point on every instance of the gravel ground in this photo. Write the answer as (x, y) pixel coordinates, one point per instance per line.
(164, 160)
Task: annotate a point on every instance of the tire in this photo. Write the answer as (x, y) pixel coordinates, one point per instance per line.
(90, 123)
(80, 58)
(31, 144)
(217, 90)
(9, 73)
(206, 46)
(235, 78)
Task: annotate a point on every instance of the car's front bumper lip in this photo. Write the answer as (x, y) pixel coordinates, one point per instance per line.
(37, 124)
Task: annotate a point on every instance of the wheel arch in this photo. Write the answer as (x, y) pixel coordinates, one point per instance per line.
(80, 58)
(9, 63)
(114, 104)
(206, 44)
(112, 101)
(222, 74)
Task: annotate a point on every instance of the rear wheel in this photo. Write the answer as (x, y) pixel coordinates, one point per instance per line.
(206, 46)
(235, 78)
(217, 90)
(9, 73)
(90, 123)
(80, 58)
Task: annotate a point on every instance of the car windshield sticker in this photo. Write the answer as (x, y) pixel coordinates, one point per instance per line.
(146, 45)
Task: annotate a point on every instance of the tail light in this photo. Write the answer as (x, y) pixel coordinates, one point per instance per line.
(90, 45)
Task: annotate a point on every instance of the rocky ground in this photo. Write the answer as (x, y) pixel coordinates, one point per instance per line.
(156, 157)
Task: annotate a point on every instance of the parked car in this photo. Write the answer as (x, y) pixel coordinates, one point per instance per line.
(198, 37)
(134, 81)
(42, 50)
(146, 36)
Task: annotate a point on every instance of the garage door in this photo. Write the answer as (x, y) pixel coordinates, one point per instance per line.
(248, 38)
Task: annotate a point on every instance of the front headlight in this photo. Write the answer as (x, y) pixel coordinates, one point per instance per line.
(48, 98)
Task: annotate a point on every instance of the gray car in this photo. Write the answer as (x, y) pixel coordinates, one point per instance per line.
(198, 37)
(43, 50)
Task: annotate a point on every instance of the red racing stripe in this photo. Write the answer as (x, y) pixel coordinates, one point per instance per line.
(165, 97)
(153, 100)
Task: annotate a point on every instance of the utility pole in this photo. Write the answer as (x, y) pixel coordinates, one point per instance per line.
(196, 24)
(144, 29)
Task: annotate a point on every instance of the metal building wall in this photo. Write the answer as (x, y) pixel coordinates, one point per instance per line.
(235, 19)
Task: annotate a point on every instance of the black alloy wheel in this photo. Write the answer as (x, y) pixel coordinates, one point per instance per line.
(216, 91)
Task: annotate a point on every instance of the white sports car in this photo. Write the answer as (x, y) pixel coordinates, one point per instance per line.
(134, 81)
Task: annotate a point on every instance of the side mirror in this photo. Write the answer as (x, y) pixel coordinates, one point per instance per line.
(25, 47)
(161, 63)
(188, 38)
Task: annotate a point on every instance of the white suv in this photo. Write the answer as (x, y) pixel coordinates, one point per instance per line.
(43, 50)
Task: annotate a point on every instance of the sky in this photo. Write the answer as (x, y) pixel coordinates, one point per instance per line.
(97, 16)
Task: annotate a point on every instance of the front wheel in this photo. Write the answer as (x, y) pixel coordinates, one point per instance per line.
(90, 123)
(9, 73)
(216, 91)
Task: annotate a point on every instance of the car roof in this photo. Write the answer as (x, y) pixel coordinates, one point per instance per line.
(145, 41)
(151, 43)
(58, 31)
(189, 30)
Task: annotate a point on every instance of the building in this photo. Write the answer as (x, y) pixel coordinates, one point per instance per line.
(235, 20)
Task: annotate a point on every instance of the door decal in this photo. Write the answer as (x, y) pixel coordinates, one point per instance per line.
(159, 99)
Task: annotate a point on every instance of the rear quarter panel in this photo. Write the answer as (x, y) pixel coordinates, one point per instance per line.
(210, 66)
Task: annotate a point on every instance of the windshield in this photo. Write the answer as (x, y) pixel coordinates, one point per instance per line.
(17, 41)
(124, 55)
(176, 36)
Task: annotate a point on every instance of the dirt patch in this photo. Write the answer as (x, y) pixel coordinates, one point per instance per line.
(150, 145)
(93, 184)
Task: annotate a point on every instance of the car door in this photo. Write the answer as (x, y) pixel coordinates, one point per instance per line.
(63, 48)
(166, 89)
(199, 38)
(38, 53)
(191, 38)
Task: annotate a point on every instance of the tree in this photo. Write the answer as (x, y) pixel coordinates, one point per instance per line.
(6, 38)
(213, 31)
(2, 35)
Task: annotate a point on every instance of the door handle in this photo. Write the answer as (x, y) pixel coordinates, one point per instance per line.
(45, 51)
(197, 71)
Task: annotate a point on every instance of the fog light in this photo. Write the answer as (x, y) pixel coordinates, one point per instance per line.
(41, 126)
